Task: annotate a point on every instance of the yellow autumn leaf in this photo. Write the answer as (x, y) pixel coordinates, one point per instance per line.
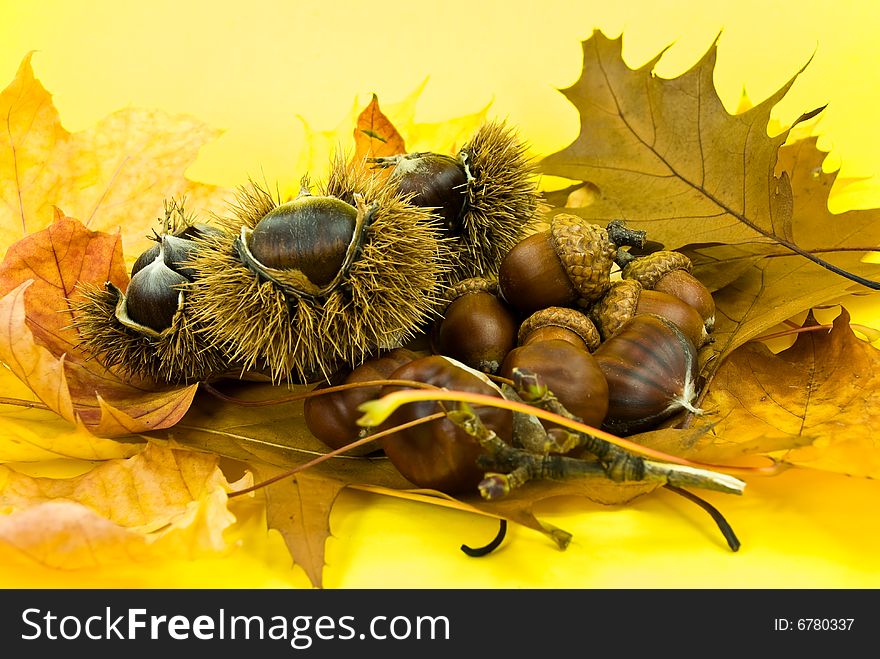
(161, 502)
(123, 168)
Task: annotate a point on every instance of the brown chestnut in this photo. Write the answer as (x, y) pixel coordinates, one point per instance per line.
(439, 455)
(310, 234)
(332, 417)
(651, 369)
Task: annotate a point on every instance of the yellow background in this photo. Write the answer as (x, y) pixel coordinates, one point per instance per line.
(253, 68)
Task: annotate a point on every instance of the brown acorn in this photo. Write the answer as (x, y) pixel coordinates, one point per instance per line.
(670, 272)
(651, 369)
(627, 298)
(304, 288)
(149, 330)
(486, 195)
(439, 455)
(477, 328)
(560, 323)
(567, 265)
(332, 418)
(555, 345)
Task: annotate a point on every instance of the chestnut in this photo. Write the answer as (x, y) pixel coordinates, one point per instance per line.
(439, 455)
(651, 369)
(332, 417)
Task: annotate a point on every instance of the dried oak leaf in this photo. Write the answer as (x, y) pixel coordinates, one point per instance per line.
(123, 168)
(374, 134)
(158, 503)
(667, 157)
(38, 276)
(815, 404)
(759, 286)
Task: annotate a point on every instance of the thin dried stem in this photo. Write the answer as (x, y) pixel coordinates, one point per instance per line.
(339, 451)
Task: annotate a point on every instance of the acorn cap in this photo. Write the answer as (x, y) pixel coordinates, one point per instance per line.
(616, 307)
(570, 319)
(586, 252)
(650, 268)
(470, 285)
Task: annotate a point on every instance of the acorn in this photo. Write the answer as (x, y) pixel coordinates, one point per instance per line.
(567, 265)
(651, 369)
(303, 288)
(477, 328)
(440, 455)
(555, 343)
(486, 195)
(627, 298)
(332, 418)
(149, 329)
(560, 323)
(670, 272)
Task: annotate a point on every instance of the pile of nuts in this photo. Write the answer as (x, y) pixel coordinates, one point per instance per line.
(339, 285)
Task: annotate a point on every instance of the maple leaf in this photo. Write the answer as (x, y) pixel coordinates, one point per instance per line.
(38, 277)
(125, 167)
(160, 502)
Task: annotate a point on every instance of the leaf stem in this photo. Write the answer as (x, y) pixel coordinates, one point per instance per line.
(19, 402)
(332, 454)
(723, 525)
(491, 546)
(376, 411)
(313, 392)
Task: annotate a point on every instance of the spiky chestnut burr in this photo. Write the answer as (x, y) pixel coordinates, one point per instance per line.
(149, 330)
(477, 328)
(567, 265)
(669, 272)
(627, 298)
(486, 195)
(301, 289)
(651, 368)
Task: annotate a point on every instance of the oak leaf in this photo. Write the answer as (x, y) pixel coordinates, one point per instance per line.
(124, 167)
(667, 157)
(273, 439)
(759, 286)
(815, 404)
